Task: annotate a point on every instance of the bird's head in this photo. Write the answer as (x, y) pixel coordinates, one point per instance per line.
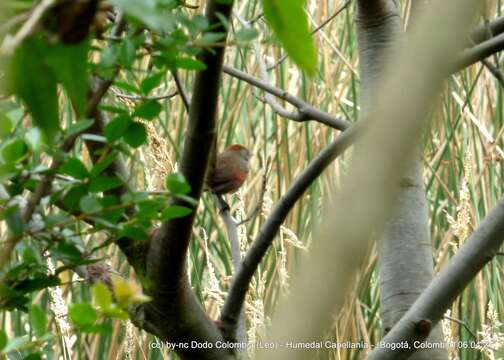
(240, 150)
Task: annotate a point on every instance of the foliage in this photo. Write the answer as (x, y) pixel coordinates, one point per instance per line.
(85, 196)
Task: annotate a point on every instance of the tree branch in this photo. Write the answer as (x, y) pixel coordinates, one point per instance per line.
(485, 31)
(429, 308)
(181, 90)
(306, 112)
(234, 243)
(240, 284)
(174, 312)
(480, 52)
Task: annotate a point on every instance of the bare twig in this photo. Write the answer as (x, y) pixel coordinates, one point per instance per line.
(494, 70)
(181, 90)
(140, 98)
(462, 323)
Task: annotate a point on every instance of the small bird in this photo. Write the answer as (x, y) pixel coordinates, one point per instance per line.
(230, 171)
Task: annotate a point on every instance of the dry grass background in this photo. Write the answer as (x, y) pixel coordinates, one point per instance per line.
(463, 153)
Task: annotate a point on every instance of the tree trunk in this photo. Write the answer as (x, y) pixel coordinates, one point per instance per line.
(405, 253)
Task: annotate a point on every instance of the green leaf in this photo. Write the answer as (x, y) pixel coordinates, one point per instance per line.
(127, 87)
(75, 168)
(102, 329)
(134, 197)
(102, 296)
(246, 35)
(135, 135)
(114, 109)
(3, 339)
(6, 126)
(151, 82)
(104, 183)
(174, 212)
(37, 283)
(13, 149)
(148, 109)
(103, 164)
(149, 209)
(67, 252)
(200, 22)
(7, 171)
(127, 53)
(289, 21)
(38, 320)
(79, 126)
(210, 38)
(116, 313)
(116, 128)
(110, 55)
(177, 184)
(14, 220)
(147, 12)
(38, 90)
(33, 356)
(90, 204)
(111, 213)
(82, 314)
(74, 195)
(189, 64)
(34, 138)
(69, 63)
(134, 232)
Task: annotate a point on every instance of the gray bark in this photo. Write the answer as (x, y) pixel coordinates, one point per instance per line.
(405, 253)
(405, 258)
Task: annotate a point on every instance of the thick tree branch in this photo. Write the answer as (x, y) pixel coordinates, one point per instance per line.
(134, 250)
(174, 312)
(486, 31)
(240, 284)
(480, 52)
(429, 308)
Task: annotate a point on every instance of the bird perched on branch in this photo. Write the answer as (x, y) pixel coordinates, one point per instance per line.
(230, 171)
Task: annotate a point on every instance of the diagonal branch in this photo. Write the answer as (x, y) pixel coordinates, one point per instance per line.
(305, 112)
(480, 52)
(429, 308)
(486, 31)
(240, 284)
